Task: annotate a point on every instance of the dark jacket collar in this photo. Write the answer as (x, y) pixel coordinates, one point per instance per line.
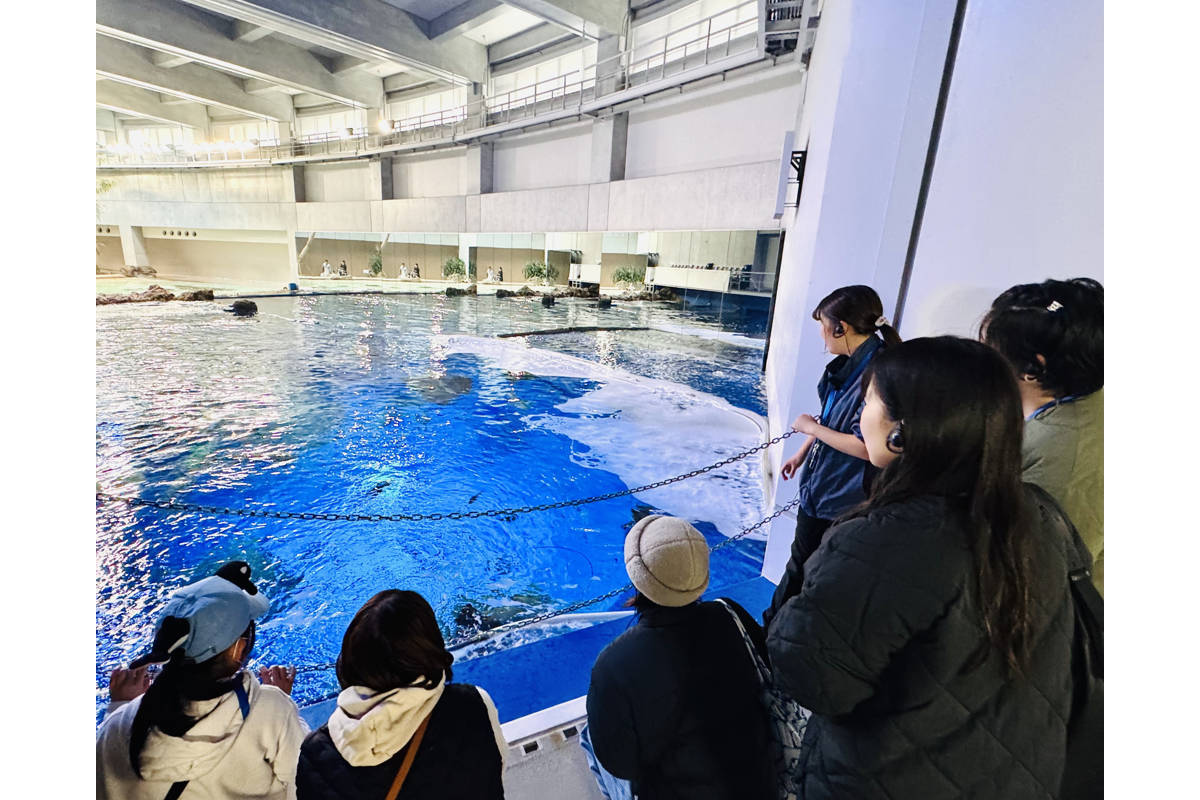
(663, 616)
(842, 367)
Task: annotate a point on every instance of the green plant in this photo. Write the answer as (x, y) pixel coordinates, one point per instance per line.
(376, 263)
(629, 275)
(538, 269)
(454, 268)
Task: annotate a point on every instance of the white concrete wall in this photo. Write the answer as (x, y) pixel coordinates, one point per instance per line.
(1017, 193)
(241, 216)
(869, 106)
(558, 157)
(337, 182)
(741, 122)
(440, 173)
(234, 185)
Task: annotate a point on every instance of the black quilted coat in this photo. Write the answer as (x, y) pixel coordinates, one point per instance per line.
(457, 760)
(673, 706)
(879, 645)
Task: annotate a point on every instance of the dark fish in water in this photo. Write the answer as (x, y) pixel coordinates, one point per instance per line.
(440, 389)
(638, 512)
(379, 487)
(474, 498)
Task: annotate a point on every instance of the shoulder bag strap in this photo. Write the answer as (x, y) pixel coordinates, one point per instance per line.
(763, 673)
(409, 757)
(176, 789)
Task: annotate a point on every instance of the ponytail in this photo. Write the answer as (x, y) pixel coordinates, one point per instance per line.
(890, 337)
(164, 705)
(860, 308)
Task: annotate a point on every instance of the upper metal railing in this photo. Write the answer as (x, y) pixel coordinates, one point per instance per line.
(675, 54)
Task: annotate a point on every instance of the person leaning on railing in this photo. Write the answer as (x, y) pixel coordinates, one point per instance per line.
(831, 466)
(205, 727)
(399, 721)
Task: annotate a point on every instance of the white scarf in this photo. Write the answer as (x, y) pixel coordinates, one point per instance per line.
(368, 728)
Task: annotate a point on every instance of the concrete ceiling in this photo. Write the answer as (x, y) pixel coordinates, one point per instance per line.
(187, 60)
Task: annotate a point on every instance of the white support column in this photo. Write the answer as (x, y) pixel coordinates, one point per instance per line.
(476, 108)
(479, 168)
(609, 139)
(293, 258)
(133, 246)
(609, 69)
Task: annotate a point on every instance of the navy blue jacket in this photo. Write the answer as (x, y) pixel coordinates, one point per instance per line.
(832, 482)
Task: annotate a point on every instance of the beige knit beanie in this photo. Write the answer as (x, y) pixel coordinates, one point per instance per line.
(667, 560)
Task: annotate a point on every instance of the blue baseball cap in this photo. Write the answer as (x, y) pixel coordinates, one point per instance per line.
(205, 618)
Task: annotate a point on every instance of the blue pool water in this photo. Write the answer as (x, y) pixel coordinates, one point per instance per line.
(383, 404)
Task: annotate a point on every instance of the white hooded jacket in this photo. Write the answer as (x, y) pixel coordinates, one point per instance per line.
(221, 756)
(368, 728)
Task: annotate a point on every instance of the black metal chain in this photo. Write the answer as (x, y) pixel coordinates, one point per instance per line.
(458, 644)
(176, 505)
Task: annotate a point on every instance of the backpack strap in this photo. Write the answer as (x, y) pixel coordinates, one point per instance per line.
(409, 757)
(176, 789)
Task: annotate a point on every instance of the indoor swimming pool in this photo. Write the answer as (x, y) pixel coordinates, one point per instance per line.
(390, 403)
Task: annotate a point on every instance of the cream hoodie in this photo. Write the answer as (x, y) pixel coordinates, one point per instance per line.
(221, 756)
(369, 728)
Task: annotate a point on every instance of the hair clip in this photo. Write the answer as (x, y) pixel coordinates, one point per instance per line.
(879, 323)
(1054, 306)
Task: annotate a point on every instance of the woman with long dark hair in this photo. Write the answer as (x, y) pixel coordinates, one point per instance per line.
(400, 725)
(931, 638)
(832, 462)
(1052, 334)
(205, 727)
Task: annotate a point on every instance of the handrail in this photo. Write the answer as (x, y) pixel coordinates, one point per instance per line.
(572, 90)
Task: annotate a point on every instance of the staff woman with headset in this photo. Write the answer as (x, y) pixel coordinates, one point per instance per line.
(832, 462)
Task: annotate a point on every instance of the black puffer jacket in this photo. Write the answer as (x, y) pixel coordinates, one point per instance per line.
(458, 759)
(673, 706)
(878, 645)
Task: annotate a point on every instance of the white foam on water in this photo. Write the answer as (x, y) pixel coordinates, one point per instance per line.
(725, 337)
(644, 430)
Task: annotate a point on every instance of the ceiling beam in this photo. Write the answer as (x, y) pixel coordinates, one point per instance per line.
(255, 86)
(590, 18)
(657, 8)
(368, 29)
(169, 60)
(245, 32)
(137, 102)
(404, 80)
(424, 90)
(343, 64)
(127, 63)
(462, 18)
(530, 41)
(180, 29)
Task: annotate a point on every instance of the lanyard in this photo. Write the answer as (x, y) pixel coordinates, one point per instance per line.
(1061, 401)
(832, 398)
